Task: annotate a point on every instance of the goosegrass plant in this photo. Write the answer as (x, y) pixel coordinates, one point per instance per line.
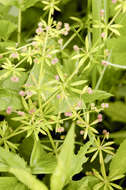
(52, 99)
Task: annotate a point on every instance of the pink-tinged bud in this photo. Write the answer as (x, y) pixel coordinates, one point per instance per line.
(22, 93)
(14, 55)
(27, 85)
(54, 61)
(60, 41)
(76, 48)
(60, 130)
(93, 106)
(39, 30)
(104, 63)
(32, 111)
(107, 53)
(65, 33)
(58, 96)
(67, 27)
(34, 43)
(40, 24)
(9, 110)
(57, 77)
(81, 132)
(21, 113)
(106, 105)
(68, 114)
(29, 93)
(14, 79)
(79, 104)
(49, 56)
(103, 105)
(114, 1)
(79, 122)
(1, 56)
(102, 12)
(35, 60)
(59, 25)
(24, 49)
(103, 34)
(89, 90)
(105, 133)
(99, 117)
(48, 28)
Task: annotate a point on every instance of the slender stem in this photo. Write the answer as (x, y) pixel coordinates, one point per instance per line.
(100, 78)
(96, 6)
(70, 39)
(116, 65)
(19, 26)
(52, 142)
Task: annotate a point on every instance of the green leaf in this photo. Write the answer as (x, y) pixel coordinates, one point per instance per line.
(9, 98)
(11, 183)
(96, 95)
(7, 29)
(67, 159)
(117, 111)
(18, 167)
(28, 179)
(10, 85)
(62, 171)
(77, 83)
(118, 163)
(117, 47)
(10, 159)
(23, 4)
(85, 183)
(79, 159)
(10, 2)
(28, 3)
(40, 161)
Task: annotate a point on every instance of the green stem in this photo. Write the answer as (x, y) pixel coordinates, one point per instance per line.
(52, 142)
(96, 7)
(19, 26)
(100, 78)
(70, 39)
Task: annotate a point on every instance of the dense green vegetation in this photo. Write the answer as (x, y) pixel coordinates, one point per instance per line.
(62, 94)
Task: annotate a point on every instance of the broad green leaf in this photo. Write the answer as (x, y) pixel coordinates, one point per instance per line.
(10, 2)
(18, 167)
(26, 178)
(10, 159)
(96, 95)
(40, 161)
(9, 98)
(10, 85)
(7, 29)
(118, 163)
(62, 171)
(85, 183)
(117, 47)
(117, 111)
(5, 44)
(11, 183)
(23, 4)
